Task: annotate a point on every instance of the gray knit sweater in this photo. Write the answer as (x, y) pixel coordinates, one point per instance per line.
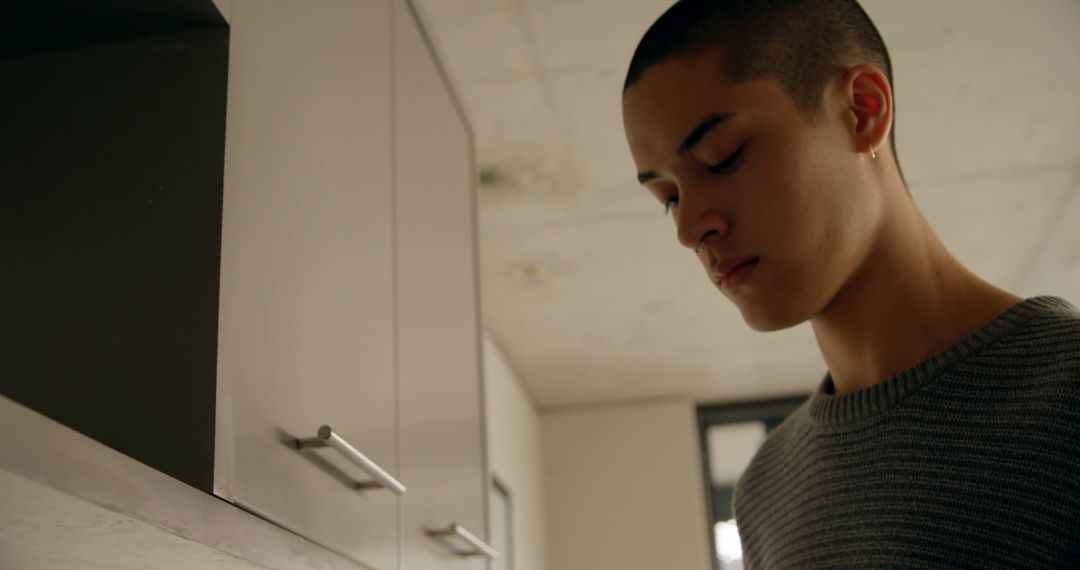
(970, 459)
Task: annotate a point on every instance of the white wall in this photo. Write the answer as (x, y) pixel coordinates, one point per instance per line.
(514, 453)
(624, 488)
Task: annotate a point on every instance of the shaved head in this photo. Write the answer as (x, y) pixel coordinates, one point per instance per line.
(803, 44)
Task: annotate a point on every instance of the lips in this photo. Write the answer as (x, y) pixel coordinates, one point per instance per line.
(729, 271)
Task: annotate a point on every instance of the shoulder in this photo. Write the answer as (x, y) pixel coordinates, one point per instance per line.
(1034, 371)
(1046, 341)
(1048, 315)
(773, 458)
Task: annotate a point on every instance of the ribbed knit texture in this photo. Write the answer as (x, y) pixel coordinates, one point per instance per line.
(970, 459)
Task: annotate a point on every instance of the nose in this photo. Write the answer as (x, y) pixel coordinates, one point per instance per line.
(698, 221)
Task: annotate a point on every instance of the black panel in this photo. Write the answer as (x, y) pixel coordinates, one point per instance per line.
(111, 167)
(38, 26)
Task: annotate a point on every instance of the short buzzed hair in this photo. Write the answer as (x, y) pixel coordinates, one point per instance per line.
(803, 44)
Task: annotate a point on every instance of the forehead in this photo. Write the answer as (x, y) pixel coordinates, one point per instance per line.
(672, 96)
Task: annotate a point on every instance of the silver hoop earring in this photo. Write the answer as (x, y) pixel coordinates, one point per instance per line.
(873, 154)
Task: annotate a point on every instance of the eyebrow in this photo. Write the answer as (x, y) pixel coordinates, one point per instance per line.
(696, 134)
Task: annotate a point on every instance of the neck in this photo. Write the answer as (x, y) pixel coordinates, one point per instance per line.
(908, 301)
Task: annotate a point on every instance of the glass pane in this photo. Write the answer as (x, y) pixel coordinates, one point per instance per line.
(728, 546)
(730, 449)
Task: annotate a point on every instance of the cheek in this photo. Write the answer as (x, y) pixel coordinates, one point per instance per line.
(795, 201)
(809, 226)
(836, 236)
(820, 199)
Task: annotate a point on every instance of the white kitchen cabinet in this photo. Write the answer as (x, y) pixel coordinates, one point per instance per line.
(307, 323)
(439, 372)
(348, 292)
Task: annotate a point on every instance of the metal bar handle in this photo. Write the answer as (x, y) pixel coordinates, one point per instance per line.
(482, 548)
(327, 437)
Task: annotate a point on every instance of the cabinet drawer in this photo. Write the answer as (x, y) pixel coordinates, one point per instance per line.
(307, 324)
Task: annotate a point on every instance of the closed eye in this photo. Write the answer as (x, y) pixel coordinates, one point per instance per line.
(729, 164)
(724, 167)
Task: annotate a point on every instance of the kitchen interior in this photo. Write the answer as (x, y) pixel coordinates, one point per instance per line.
(369, 284)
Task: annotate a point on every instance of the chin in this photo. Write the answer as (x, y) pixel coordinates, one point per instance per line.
(768, 319)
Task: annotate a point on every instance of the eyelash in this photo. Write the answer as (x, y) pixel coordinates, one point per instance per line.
(720, 168)
(728, 164)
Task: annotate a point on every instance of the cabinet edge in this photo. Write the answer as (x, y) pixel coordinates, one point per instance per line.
(49, 453)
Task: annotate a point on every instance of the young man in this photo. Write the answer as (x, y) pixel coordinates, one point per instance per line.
(946, 433)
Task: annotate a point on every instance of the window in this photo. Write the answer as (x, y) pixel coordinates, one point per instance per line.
(730, 436)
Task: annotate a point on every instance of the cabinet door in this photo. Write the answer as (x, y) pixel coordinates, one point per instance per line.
(307, 297)
(442, 446)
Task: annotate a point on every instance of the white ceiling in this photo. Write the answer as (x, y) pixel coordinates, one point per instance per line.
(583, 284)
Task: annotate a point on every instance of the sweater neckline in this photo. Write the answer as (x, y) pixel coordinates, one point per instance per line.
(827, 408)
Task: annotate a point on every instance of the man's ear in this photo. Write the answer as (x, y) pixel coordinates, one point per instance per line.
(870, 106)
